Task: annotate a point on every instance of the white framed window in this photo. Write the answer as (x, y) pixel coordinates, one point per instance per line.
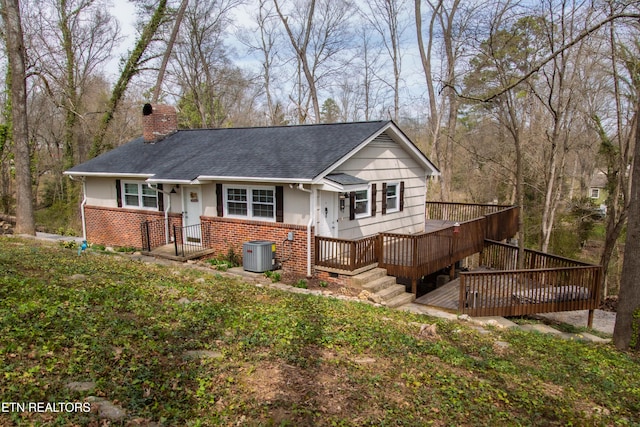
(362, 205)
(595, 193)
(250, 202)
(138, 195)
(393, 197)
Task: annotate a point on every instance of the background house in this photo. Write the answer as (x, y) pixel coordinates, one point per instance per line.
(597, 191)
(284, 184)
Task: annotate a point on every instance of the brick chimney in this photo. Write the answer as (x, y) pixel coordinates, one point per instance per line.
(158, 121)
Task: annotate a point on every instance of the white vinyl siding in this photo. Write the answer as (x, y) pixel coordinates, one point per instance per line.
(385, 161)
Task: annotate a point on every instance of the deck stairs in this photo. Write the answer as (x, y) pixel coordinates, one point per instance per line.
(377, 282)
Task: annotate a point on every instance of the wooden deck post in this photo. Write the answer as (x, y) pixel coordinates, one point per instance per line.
(590, 319)
(414, 286)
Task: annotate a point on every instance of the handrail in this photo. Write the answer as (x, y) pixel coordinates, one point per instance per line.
(415, 255)
(346, 254)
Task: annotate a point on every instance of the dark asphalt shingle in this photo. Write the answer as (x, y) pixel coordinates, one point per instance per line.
(285, 152)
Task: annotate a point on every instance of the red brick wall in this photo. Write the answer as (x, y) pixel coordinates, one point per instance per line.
(162, 121)
(232, 233)
(120, 227)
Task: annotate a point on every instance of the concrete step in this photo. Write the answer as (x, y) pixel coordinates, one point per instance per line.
(390, 292)
(379, 284)
(368, 276)
(402, 299)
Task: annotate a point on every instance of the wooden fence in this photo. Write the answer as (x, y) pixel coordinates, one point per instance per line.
(548, 284)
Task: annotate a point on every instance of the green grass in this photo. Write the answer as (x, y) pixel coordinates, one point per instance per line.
(287, 359)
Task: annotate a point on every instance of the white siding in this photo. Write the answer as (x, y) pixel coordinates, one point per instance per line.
(384, 161)
(101, 192)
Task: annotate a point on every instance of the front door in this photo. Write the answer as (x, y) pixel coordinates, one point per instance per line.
(328, 215)
(192, 202)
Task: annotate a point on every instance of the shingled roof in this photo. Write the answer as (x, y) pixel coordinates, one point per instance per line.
(282, 153)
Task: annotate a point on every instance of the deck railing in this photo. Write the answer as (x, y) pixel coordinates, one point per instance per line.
(550, 283)
(460, 212)
(412, 256)
(346, 254)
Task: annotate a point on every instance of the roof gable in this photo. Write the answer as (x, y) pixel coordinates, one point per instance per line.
(285, 153)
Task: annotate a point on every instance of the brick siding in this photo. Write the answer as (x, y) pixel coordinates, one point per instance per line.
(226, 233)
(120, 227)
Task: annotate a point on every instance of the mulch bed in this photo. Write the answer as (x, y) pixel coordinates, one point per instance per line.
(609, 304)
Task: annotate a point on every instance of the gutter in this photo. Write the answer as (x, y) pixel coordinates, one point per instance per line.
(312, 200)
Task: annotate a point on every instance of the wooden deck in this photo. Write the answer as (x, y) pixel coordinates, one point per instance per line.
(445, 297)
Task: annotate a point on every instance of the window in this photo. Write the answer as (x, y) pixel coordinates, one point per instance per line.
(258, 202)
(392, 197)
(139, 195)
(362, 203)
(237, 201)
(263, 203)
(595, 193)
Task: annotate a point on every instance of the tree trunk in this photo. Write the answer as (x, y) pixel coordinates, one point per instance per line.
(129, 71)
(626, 333)
(25, 220)
(167, 53)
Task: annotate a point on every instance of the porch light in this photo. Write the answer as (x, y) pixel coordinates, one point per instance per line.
(456, 228)
(342, 198)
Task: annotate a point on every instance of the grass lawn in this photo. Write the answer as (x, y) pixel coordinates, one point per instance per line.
(277, 358)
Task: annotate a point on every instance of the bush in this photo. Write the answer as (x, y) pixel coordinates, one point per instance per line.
(273, 275)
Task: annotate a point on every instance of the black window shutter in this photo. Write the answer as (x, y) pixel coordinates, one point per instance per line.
(118, 193)
(401, 195)
(279, 204)
(384, 198)
(160, 198)
(219, 200)
(352, 205)
(374, 195)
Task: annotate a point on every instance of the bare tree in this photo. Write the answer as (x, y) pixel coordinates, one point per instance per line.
(451, 21)
(167, 54)
(264, 41)
(386, 18)
(25, 219)
(131, 68)
(207, 81)
(317, 32)
(558, 92)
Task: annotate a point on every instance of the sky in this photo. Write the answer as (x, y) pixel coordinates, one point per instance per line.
(125, 12)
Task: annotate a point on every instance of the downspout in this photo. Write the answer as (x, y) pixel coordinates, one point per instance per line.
(312, 194)
(166, 212)
(82, 205)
